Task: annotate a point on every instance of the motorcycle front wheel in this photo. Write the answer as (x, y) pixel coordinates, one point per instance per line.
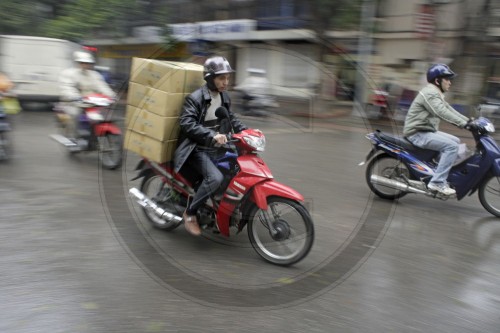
(164, 196)
(110, 151)
(283, 234)
(388, 167)
(489, 194)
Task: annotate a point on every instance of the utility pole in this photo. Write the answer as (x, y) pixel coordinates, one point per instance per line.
(365, 51)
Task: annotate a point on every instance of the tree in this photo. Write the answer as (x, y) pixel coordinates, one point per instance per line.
(17, 17)
(85, 19)
(27, 17)
(336, 15)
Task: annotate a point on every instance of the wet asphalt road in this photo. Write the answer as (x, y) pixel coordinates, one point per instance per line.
(77, 256)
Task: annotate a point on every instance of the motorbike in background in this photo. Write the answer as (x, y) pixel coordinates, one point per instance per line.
(9, 106)
(5, 145)
(254, 94)
(395, 167)
(279, 227)
(257, 105)
(378, 104)
(95, 130)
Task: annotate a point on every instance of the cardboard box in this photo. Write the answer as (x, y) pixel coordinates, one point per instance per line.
(168, 76)
(157, 90)
(162, 103)
(154, 126)
(154, 150)
(129, 113)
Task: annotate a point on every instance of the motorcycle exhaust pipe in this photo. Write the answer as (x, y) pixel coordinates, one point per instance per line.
(64, 141)
(395, 184)
(144, 201)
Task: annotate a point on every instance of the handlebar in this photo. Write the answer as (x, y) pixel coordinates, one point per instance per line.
(228, 145)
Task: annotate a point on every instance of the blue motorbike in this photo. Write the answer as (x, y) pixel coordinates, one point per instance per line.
(395, 167)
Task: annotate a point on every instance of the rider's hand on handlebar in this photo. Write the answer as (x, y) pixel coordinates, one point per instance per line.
(220, 138)
(471, 126)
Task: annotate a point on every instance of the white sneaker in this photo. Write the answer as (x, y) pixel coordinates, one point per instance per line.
(441, 188)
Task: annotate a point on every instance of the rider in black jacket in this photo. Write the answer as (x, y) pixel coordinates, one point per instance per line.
(199, 130)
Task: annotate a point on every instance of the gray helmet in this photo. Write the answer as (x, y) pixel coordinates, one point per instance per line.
(215, 66)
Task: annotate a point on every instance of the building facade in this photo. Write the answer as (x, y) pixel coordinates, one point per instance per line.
(395, 42)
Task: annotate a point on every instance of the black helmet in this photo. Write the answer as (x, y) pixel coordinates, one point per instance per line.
(439, 71)
(215, 66)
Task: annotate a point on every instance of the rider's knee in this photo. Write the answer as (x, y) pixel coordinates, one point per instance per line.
(218, 178)
(452, 148)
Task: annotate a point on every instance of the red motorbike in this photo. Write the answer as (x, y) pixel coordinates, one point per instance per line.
(95, 130)
(279, 227)
(378, 102)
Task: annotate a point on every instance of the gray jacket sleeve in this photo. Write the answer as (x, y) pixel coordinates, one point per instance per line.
(439, 107)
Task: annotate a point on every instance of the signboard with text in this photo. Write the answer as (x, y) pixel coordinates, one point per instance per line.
(212, 30)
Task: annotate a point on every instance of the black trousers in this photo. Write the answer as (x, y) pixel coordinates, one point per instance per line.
(200, 161)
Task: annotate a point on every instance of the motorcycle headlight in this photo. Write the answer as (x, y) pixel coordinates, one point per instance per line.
(95, 116)
(257, 142)
(486, 124)
(490, 128)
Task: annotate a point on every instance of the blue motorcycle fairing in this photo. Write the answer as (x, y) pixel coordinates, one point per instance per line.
(495, 168)
(492, 151)
(224, 161)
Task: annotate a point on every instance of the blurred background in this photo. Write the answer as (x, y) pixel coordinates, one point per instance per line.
(335, 49)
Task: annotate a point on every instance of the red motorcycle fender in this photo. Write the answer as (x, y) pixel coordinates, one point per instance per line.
(105, 128)
(260, 192)
(269, 188)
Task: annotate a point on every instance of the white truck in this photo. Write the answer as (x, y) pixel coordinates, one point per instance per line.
(33, 64)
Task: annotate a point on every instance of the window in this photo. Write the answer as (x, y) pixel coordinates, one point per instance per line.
(282, 14)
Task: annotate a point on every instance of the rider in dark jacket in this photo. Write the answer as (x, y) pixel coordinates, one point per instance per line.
(199, 131)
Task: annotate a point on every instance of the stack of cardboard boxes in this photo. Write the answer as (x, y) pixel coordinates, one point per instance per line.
(156, 93)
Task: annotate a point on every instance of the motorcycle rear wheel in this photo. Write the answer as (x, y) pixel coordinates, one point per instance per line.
(295, 231)
(110, 151)
(157, 190)
(388, 167)
(489, 194)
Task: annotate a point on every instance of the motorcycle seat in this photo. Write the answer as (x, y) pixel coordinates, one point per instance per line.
(422, 154)
(397, 140)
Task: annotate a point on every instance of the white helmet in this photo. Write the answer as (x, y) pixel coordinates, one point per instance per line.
(80, 56)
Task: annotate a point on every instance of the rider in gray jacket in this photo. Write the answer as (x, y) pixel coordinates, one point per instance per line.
(422, 124)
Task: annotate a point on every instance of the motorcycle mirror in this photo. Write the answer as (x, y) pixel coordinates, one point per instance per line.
(221, 113)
